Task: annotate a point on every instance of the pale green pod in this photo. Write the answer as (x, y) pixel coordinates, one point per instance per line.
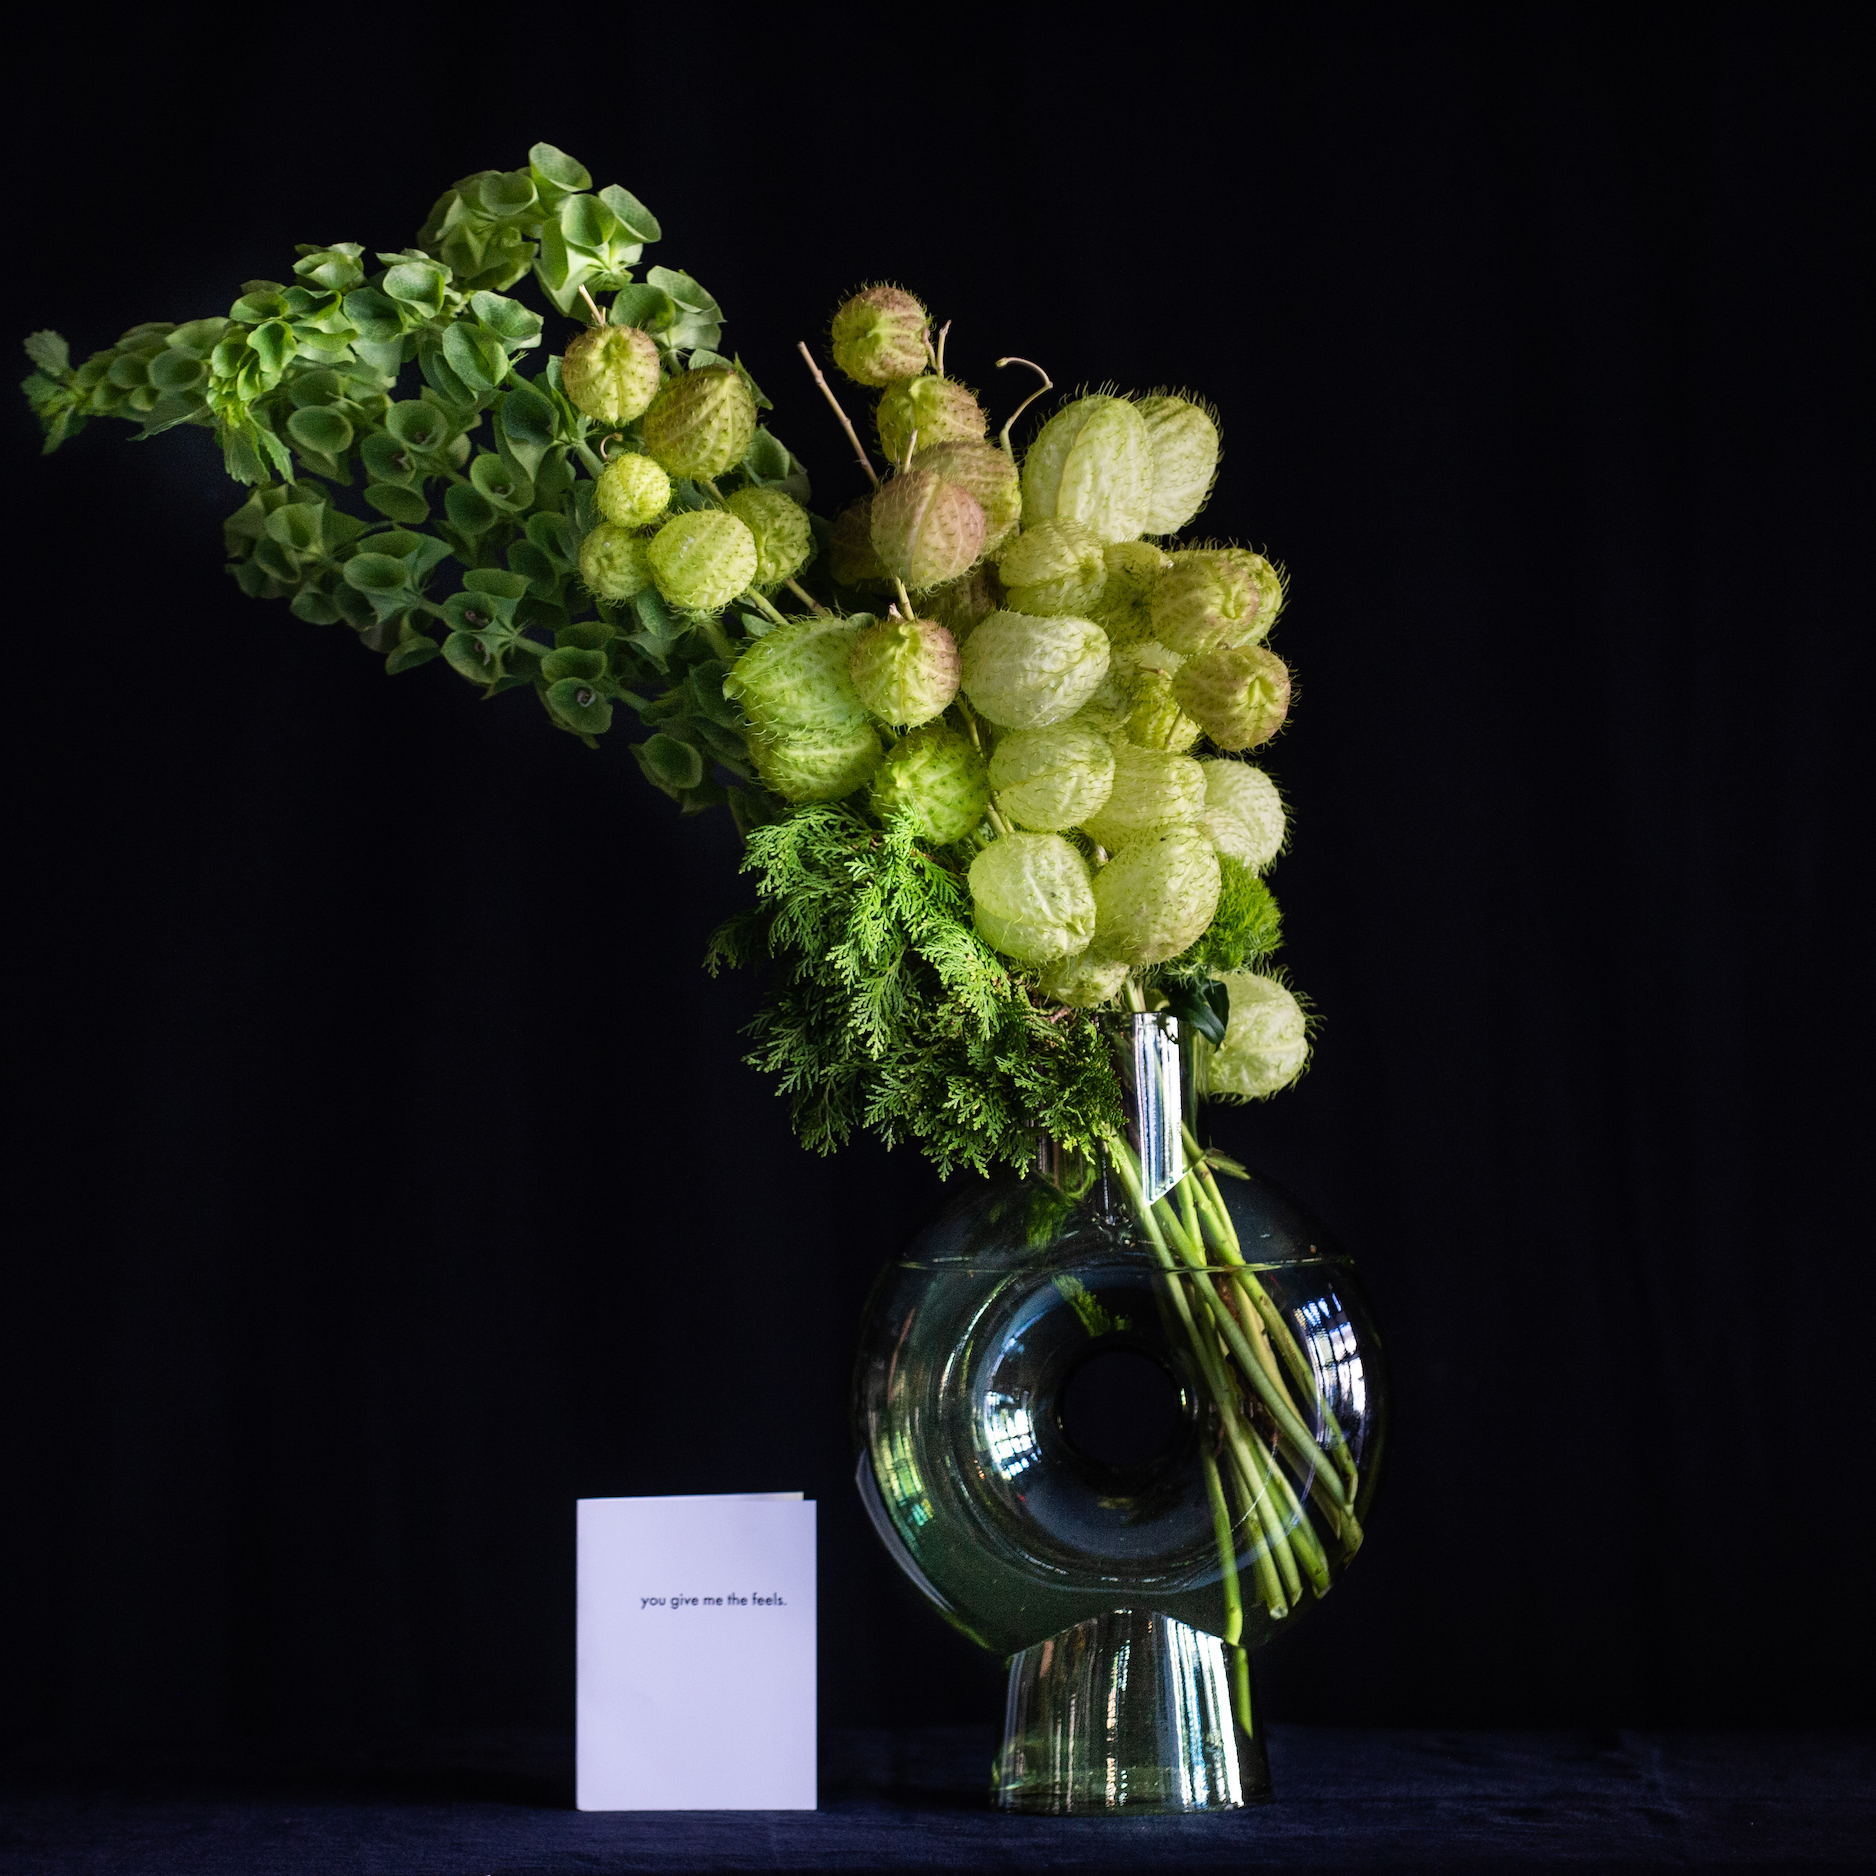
(1151, 786)
(1156, 895)
(1030, 898)
(1107, 711)
(1053, 570)
(1022, 673)
(1052, 778)
(632, 490)
(1266, 1042)
(703, 559)
(610, 373)
(961, 605)
(1090, 463)
(1125, 613)
(1156, 721)
(784, 538)
(1241, 696)
(701, 423)
(797, 678)
(925, 530)
(937, 775)
(819, 764)
(1210, 601)
(613, 563)
(1243, 812)
(879, 336)
(940, 410)
(1082, 982)
(988, 474)
(905, 670)
(1182, 445)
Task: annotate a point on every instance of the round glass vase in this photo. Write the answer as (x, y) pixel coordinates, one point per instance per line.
(1121, 1421)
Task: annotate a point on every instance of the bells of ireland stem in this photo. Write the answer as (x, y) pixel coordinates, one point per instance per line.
(1052, 778)
(1082, 982)
(905, 670)
(702, 560)
(850, 556)
(1151, 786)
(1090, 464)
(1031, 899)
(988, 474)
(936, 775)
(783, 535)
(614, 563)
(879, 336)
(1023, 673)
(1266, 1042)
(819, 764)
(1243, 813)
(1182, 444)
(1053, 569)
(1156, 895)
(796, 679)
(1241, 697)
(940, 409)
(1215, 598)
(610, 374)
(632, 490)
(926, 530)
(701, 423)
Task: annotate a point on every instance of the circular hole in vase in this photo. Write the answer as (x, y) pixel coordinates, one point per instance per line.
(1121, 1409)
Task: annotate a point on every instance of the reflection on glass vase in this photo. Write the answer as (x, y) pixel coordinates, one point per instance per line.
(1123, 1421)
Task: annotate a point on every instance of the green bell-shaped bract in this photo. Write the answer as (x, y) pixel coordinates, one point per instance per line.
(1023, 673)
(1266, 1042)
(1091, 464)
(1052, 778)
(784, 536)
(702, 560)
(1031, 899)
(936, 775)
(798, 678)
(1151, 786)
(701, 423)
(1182, 446)
(1243, 813)
(905, 670)
(1156, 895)
(1240, 696)
(610, 374)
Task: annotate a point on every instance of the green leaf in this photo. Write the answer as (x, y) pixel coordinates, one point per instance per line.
(687, 292)
(518, 327)
(768, 458)
(542, 576)
(273, 344)
(49, 352)
(1206, 1006)
(526, 417)
(315, 607)
(177, 371)
(495, 583)
(469, 510)
(672, 765)
(322, 430)
(402, 505)
(650, 308)
(416, 283)
(442, 379)
(555, 173)
(410, 652)
(637, 220)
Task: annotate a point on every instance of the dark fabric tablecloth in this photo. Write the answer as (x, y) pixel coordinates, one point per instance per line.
(1346, 1799)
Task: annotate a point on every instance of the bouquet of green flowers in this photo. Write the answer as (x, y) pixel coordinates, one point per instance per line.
(984, 730)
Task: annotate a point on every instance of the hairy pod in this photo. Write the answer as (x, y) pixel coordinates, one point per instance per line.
(1054, 569)
(1031, 898)
(613, 563)
(632, 490)
(702, 560)
(610, 373)
(797, 678)
(1023, 673)
(819, 764)
(850, 556)
(1156, 895)
(1052, 778)
(1182, 447)
(940, 409)
(1243, 812)
(989, 474)
(1212, 600)
(936, 775)
(1082, 982)
(1090, 464)
(701, 423)
(879, 336)
(1240, 697)
(1151, 786)
(926, 530)
(1266, 1042)
(905, 670)
(783, 535)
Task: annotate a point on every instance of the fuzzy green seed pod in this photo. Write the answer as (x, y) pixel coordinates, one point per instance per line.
(1053, 570)
(1150, 786)
(701, 423)
(1030, 898)
(797, 678)
(1111, 704)
(850, 556)
(1243, 813)
(1182, 443)
(1082, 982)
(1266, 1039)
(1156, 721)
(961, 605)
(614, 564)
(1241, 697)
(632, 490)
(905, 670)
(1052, 778)
(1023, 672)
(940, 409)
(1090, 463)
(784, 537)
(1125, 612)
(1156, 895)
(926, 530)
(819, 764)
(610, 373)
(989, 474)
(703, 559)
(936, 775)
(1212, 600)
(879, 336)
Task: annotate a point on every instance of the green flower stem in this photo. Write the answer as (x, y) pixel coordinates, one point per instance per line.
(762, 605)
(1303, 1540)
(1270, 1516)
(1227, 1549)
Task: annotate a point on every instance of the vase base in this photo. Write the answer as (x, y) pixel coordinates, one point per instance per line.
(1130, 1711)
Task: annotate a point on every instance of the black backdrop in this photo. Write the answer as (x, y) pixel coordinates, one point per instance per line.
(387, 1178)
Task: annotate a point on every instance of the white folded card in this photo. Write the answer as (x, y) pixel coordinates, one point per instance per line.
(696, 1654)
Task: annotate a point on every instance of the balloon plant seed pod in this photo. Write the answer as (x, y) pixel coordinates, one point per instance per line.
(1031, 898)
(1054, 568)
(1182, 449)
(988, 474)
(700, 425)
(1156, 895)
(798, 678)
(610, 373)
(1156, 721)
(961, 605)
(1091, 464)
(615, 563)
(1209, 601)
(1151, 787)
(1083, 982)
(1241, 697)
(879, 336)
(936, 409)
(936, 775)
(1243, 812)
(784, 536)
(1266, 1041)
(819, 764)
(702, 560)
(1052, 778)
(1022, 673)
(905, 670)
(926, 530)
(632, 490)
